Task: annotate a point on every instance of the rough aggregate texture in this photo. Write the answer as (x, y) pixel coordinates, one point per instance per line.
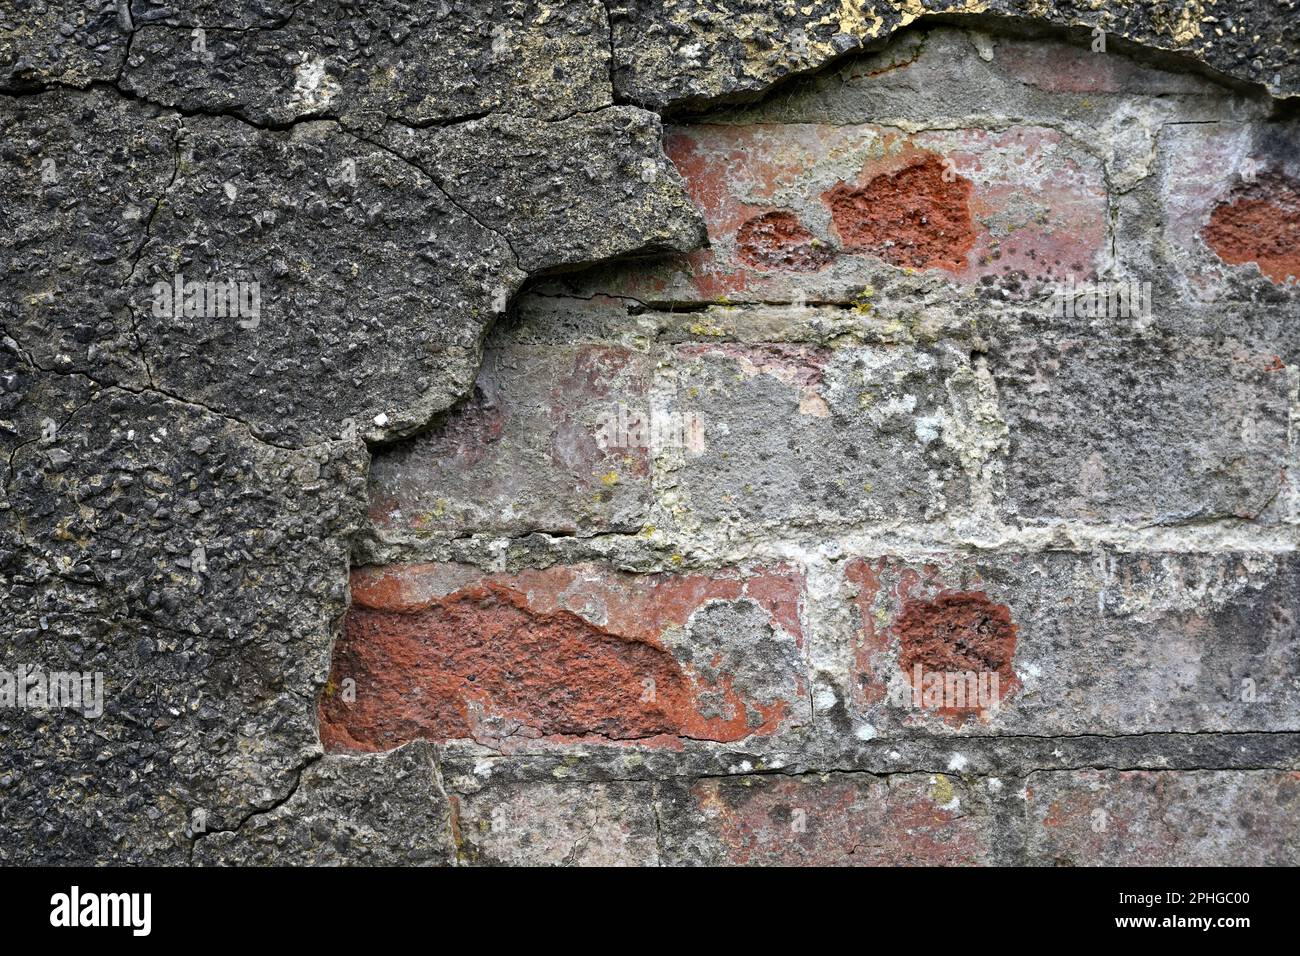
(639, 398)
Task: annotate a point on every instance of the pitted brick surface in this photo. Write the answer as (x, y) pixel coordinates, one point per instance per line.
(567, 654)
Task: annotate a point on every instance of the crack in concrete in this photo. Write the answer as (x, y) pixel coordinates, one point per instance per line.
(258, 811)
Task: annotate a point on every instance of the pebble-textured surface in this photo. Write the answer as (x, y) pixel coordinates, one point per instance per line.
(566, 432)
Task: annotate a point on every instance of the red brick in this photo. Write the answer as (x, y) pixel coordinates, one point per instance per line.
(975, 202)
(1163, 818)
(566, 654)
(1260, 222)
(935, 627)
(832, 820)
(777, 240)
(915, 217)
(1230, 198)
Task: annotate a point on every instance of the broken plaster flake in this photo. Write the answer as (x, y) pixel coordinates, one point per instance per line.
(865, 732)
(381, 419)
(896, 406)
(826, 699)
(313, 88)
(1129, 138)
(927, 428)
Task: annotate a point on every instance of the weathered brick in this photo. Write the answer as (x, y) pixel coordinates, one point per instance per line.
(825, 820)
(1061, 68)
(524, 453)
(1259, 222)
(1080, 643)
(1140, 430)
(801, 433)
(1163, 818)
(818, 210)
(547, 824)
(565, 654)
(1230, 198)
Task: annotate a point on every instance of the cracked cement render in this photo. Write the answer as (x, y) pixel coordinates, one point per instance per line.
(404, 569)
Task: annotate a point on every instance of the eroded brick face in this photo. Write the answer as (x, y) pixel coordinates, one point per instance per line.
(916, 217)
(1260, 223)
(830, 820)
(440, 652)
(777, 240)
(940, 559)
(958, 632)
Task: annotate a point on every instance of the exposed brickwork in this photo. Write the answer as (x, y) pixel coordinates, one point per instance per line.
(893, 459)
(937, 558)
(1078, 523)
(873, 201)
(438, 652)
(776, 240)
(1261, 224)
(916, 217)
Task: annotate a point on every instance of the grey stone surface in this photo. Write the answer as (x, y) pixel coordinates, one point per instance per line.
(83, 175)
(381, 809)
(375, 289)
(415, 63)
(65, 41)
(200, 572)
(594, 186)
(168, 532)
(1104, 643)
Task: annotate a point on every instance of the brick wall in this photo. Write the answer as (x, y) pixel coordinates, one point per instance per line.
(862, 535)
(649, 431)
